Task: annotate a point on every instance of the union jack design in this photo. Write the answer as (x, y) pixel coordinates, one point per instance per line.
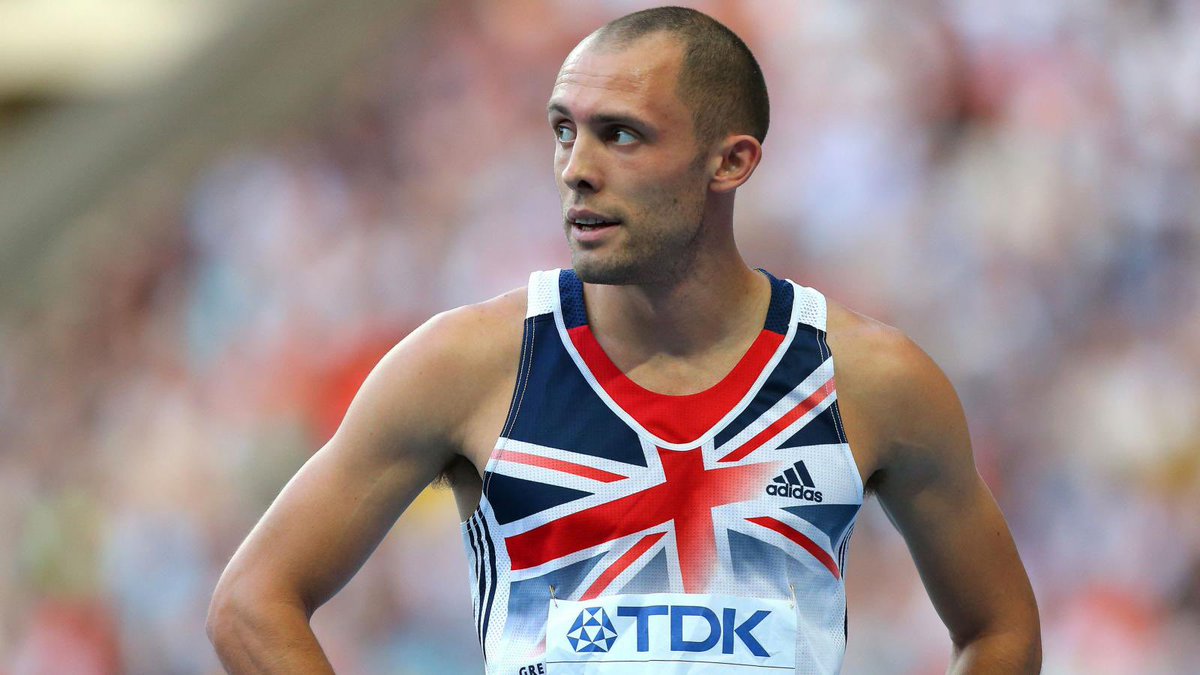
(598, 487)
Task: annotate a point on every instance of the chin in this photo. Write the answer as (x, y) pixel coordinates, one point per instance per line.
(608, 272)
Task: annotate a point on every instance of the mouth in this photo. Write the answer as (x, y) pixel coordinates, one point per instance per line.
(591, 232)
(583, 220)
(592, 225)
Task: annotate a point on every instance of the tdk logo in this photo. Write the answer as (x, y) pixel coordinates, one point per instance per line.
(795, 482)
(723, 631)
(592, 631)
(713, 633)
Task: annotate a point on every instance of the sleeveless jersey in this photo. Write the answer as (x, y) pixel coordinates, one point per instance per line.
(600, 488)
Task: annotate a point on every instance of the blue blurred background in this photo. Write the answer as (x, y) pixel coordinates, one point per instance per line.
(214, 218)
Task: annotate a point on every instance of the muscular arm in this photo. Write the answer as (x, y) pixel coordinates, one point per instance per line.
(404, 426)
(928, 485)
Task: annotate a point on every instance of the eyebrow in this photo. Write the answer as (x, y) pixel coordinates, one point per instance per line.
(600, 118)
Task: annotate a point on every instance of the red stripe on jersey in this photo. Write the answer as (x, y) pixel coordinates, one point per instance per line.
(798, 537)
(602, 582)
(560, 465)
(782, 423)
(676, 419)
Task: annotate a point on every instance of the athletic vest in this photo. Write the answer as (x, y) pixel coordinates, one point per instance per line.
(599, 489)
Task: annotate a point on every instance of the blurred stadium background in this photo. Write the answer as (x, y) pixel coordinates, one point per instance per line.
(215, 216)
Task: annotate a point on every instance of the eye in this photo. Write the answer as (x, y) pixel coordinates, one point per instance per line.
(623, 137)
(564, 133)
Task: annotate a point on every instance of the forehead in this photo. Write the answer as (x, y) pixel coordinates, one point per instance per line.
(639, 78)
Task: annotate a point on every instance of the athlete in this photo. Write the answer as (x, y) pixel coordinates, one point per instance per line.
(654, 462)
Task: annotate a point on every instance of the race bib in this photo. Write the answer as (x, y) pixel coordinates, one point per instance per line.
(673, 633)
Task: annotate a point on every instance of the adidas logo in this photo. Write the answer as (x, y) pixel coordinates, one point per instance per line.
(795, 482)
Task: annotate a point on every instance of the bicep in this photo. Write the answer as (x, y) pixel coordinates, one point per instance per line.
(338, 507)
(326, 522)
(957, 535)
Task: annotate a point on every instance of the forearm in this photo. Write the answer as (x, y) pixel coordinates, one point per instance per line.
(1000, 653)
(265, 639)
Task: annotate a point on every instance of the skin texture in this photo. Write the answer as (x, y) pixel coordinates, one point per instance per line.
(677, 309)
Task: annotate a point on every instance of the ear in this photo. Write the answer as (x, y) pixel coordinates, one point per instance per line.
(739, 156)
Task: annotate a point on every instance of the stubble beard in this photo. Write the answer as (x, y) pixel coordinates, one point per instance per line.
(655, 255)
(660, 245)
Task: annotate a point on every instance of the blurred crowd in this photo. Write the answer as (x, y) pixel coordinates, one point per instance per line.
(1016, 185)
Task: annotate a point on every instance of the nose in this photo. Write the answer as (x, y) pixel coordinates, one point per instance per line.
(581, 170)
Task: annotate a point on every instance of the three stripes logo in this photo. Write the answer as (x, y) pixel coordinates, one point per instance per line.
(795, 482)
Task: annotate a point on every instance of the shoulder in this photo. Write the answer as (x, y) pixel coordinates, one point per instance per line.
(476, 340)
(882, 356)
(903, 403)
(476, 333)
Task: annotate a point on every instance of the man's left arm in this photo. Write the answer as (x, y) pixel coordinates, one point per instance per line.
(928, 485)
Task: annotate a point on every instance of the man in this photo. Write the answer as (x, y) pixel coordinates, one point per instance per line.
(677, 470)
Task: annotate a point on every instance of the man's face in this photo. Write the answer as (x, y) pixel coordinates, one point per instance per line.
(627, 164)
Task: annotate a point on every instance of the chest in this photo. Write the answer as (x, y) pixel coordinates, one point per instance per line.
(568, 428)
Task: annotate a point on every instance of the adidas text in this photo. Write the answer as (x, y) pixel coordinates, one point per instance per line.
(794, 491)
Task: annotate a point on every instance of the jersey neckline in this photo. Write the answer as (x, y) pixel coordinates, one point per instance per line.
(687, 419)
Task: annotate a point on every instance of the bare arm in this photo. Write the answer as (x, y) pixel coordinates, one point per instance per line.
(928, 485)
(404, 426)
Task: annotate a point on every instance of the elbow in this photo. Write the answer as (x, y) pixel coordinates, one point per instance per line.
(1028, 652)
(1033, 648)
(247, 617)
(1035, 655)
(1028, 635)
(1011, 642)
(1024, 649)
(220, 625)
(1015, 650)
(233, 613)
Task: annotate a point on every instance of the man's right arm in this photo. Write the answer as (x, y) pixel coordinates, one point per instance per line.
(403, 427)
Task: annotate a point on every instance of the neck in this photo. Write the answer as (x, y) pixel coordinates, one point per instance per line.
(718, 304)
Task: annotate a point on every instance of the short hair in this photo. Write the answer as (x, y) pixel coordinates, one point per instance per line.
(719, 80)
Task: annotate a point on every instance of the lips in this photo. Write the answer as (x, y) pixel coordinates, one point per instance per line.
(591, 228)
(586, 219)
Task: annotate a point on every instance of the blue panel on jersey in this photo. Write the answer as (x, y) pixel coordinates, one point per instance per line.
(762, 562)
(821, 430)
(527, 335)
(779, 312)
(572, 417)
(832, 519)
(570, 293)
(803, 356)
(514, 498)
(758, 561)
(529, 600)
(652, 578)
